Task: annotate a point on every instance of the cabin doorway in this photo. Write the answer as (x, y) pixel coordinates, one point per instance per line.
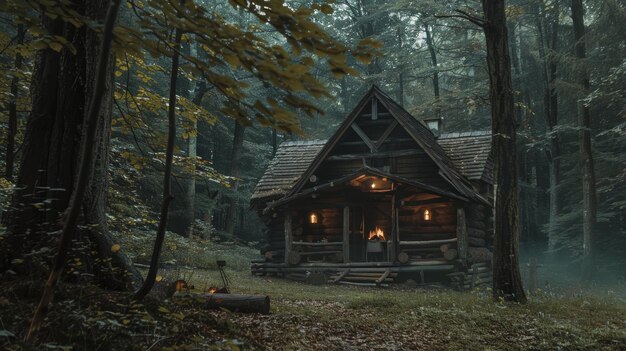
(370, 233)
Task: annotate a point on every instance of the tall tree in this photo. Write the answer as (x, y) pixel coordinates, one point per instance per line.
(167, 174)
(86, 162)
(10, 152)
(430, 43)
(64, 82)
(507, 282)
(233, 171)
(547, 28)
(584, 136)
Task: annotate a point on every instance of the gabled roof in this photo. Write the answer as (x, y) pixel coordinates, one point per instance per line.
(291, 160)
(470, 153)
(296, 161)
(416, 129)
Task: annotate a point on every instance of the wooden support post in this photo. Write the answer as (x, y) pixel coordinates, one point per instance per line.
(288, 236)
(391, 254)
(346, 234)
(461, 233)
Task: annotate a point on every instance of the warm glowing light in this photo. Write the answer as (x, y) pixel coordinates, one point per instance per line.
(313, 218)
(212, 290)
(373, 185)
(427, 215)
(377, 234)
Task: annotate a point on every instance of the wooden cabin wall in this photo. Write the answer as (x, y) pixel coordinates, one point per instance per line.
(412, 227)
(479, 222)
(276, 238)
(331, 170)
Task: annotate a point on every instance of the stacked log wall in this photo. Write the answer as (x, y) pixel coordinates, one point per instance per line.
(479, 231)
(413, 228)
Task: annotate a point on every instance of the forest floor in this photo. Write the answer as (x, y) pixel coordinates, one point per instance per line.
(311, 317)
(307, 317)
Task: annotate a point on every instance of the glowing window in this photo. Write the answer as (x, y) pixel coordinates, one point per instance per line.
(313, 218)
(427, 215)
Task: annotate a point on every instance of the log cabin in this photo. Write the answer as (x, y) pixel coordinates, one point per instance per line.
(387, 198)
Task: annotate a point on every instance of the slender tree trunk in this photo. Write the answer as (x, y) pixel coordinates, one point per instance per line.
(167, 176)
(181, 212)
(86, 161)
(400, 98)
(10, 152)
(234, 172)
(584, 135)
(552, 118)
(507, 282)
(433, 60)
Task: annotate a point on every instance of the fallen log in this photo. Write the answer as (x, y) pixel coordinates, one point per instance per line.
(231, 302)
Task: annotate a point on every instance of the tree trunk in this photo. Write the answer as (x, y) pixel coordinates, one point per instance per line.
(400, 98)
(88, 155)
(551, 115)
(234, 172)
(584, 135)
(167, 176)
(181, 212)
(433, 60)
(63, 86)
(507, 282)
(10, 152)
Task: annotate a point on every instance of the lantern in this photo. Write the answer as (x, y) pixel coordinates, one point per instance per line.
(313, 218)
(427, 215)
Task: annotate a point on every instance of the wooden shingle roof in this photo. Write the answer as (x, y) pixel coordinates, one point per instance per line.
(291, 160)
(470, 153)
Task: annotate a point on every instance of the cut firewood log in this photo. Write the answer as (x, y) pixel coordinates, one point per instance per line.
(231, 302)
(444, 248)
(293, 257)
(450, 254)
(403, 257)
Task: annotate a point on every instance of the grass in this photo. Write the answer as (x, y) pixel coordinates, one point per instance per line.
(342, 317)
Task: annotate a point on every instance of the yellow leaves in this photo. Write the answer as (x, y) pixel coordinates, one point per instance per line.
(326, 9)
(232, 60)
(115, 248)
(164, 310)
(158, 278)
(126, 321)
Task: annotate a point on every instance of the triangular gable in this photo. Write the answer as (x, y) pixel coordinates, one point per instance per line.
(418, 132)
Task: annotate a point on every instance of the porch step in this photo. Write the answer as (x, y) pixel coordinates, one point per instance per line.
(363, 278)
